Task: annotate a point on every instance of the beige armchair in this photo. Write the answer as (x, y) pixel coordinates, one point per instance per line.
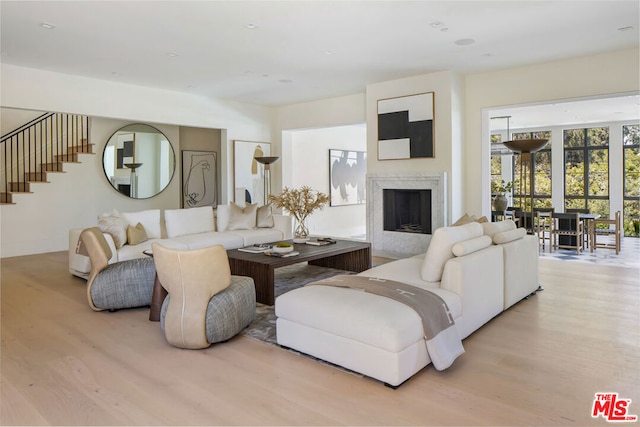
(205, 303)
(125, 284)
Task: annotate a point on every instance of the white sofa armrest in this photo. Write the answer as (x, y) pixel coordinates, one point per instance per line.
(80, 265)
(479, 280)
(284, 224)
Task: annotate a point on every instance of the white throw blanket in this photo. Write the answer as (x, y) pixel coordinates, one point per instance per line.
(441, 336)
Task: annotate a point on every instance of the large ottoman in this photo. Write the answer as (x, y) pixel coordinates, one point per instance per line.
(345, 327)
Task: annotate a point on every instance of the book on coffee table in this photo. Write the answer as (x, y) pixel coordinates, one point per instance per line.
(320, 241)
(256, 249)
(282, 254)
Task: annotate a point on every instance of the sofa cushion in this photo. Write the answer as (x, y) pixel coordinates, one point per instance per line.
(466, 219)
(180, 222)
(136, 235)
(470, 246)
(440, 248)
(115, 226)
(491, 228)
(264, 217)
(203, 240)
(509, 236)
(149, 219)
(258, 235)
(242, 218)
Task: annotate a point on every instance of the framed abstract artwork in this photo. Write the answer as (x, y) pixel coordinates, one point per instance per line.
(248, 174)
(199, 179)
(347, 176)
(125, 149)
(405, 127)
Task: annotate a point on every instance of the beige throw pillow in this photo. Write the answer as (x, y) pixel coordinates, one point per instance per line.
(136, 234)
(112, 224)
(242, 219)
(264, 217)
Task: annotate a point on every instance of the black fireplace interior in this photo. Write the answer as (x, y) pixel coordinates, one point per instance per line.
(407, 211)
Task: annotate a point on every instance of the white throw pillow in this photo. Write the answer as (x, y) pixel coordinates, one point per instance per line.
(264, 217)
(180, 222)
(509, 235)
(470, 246)
(440, 248)
(149, 219)
(491, 228)
(242, 219)
(114, 225)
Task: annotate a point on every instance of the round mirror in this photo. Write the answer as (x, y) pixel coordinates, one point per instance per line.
(139, 161)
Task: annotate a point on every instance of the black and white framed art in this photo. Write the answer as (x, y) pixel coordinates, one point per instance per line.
(405, 127)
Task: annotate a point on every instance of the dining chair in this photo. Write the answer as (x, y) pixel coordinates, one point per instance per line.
(606, 227)
(587, 234)
(543, 225)
(498, 216)
(567, 231)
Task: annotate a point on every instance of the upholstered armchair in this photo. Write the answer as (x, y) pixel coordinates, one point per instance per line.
(205, 304)
(125, 284)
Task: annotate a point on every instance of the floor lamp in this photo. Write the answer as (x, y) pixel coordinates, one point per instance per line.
(525, 147)
(267, 162)
(133, 192)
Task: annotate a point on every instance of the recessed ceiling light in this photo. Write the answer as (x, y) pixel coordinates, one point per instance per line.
(444, 30)
(171, 54)
(464, 42)
(437, 25)
(328, 52)
(47, 26)
(251, 26)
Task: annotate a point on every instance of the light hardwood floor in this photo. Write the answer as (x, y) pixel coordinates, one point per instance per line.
(539, 363)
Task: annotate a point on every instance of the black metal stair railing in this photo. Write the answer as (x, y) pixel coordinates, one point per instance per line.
(38, 147)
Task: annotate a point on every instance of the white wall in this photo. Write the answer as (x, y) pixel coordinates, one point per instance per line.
(310, 166)
(40, 224)
(608, 73)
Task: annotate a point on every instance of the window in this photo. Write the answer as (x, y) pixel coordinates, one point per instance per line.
(541, 174)
(496, 162)
(631, 179)
(586, 157)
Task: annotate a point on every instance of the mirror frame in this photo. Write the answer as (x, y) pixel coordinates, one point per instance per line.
(132, 166)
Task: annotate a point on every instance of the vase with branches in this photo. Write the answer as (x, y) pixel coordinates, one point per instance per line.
(300, 203)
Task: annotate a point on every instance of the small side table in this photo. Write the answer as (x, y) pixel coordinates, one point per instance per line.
(157, 297)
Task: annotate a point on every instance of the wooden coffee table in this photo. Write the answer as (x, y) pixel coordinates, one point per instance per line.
(343, 255)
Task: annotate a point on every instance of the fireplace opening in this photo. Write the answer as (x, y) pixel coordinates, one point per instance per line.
(407, 211)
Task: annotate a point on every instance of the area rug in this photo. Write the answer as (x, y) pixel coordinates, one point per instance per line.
(287, 278)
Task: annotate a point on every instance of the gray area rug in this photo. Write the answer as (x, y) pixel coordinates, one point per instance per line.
(286, 279)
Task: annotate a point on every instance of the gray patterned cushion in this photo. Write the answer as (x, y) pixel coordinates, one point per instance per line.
(229, 311)
(124, 284)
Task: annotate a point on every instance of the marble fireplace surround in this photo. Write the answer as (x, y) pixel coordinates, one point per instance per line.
(398, 244)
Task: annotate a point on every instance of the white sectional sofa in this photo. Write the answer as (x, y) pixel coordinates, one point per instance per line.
(231, 226)
(478, 270)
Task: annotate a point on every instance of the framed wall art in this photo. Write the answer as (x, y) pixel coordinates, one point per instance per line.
(125, 149)
(199, 179)
(347, 175)
(248, 174)
(405, 127)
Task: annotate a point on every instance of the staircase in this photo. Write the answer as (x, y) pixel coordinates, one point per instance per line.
(38, 148)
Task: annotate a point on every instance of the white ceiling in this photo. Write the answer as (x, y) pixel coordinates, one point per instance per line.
(303, 50)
